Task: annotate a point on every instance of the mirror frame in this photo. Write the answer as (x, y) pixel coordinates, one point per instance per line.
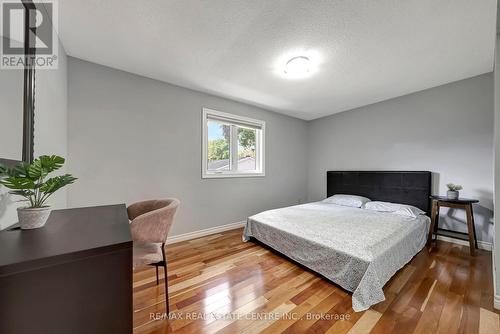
(28, 94)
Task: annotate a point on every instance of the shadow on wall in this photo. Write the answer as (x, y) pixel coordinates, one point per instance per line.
(456, 219)
(5, 201)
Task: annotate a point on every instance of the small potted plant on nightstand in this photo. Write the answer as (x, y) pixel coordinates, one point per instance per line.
(29, 181)
(453, 189)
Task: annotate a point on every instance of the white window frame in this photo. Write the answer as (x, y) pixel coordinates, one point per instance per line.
(259, 146)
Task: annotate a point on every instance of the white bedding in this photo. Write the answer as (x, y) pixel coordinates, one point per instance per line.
(358, 249)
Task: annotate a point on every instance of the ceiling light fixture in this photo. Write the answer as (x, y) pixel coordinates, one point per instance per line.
(298, 67)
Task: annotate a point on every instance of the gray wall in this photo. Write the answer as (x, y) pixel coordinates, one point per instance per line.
(133, 138)
(50, 129)
(496, 250)
(447, 130)
(51, 118)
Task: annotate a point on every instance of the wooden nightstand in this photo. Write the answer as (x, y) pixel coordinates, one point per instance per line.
(461, 203)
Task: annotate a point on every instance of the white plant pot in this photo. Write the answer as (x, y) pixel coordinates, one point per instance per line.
(30, 218)
(452, 194)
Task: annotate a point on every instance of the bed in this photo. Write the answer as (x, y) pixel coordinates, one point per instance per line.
(358, 249)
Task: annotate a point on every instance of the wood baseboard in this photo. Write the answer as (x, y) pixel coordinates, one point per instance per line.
(204, 232)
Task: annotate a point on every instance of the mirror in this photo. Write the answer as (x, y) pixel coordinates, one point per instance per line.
(16, 108)
(11, 112)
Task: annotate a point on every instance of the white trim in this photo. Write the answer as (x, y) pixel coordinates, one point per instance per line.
(236, 118)
(496, 297)
(496, 302)
(259, 145)
(480, 244)
(233, 156)
(218, 175)
(205, 232)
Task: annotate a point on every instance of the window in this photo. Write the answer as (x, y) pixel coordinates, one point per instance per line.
(233, 146)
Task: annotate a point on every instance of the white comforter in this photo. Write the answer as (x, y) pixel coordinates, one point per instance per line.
(358, 249)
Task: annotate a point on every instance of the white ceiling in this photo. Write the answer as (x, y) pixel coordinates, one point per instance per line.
(367, 51)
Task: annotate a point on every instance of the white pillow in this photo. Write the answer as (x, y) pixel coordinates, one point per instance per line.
(396, 208)
(347, 200)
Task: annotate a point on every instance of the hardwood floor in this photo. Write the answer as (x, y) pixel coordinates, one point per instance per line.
(220, 284)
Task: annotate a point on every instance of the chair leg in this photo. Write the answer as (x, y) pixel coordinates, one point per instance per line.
(166, 279)
(166, 288)
(157, 280)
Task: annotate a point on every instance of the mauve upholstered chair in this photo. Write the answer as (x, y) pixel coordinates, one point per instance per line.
(150, 223)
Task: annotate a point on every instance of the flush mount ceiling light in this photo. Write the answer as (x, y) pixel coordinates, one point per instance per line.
(297, 63)
(298, 67)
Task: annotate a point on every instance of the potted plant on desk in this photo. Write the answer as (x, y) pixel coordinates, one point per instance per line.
(453, 189)
(28, 180)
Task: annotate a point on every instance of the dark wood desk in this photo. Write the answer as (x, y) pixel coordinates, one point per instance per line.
(461, 203)
(74, 275)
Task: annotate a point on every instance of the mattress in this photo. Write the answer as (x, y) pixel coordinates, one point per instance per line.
(358, 249)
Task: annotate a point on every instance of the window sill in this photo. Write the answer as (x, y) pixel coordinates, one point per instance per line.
(230, 175)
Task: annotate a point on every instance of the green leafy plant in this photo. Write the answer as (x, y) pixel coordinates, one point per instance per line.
(246, 138)
(218, 149)
(30, 180)
(454, 187)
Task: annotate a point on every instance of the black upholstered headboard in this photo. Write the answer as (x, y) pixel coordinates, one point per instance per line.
(413, 188)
